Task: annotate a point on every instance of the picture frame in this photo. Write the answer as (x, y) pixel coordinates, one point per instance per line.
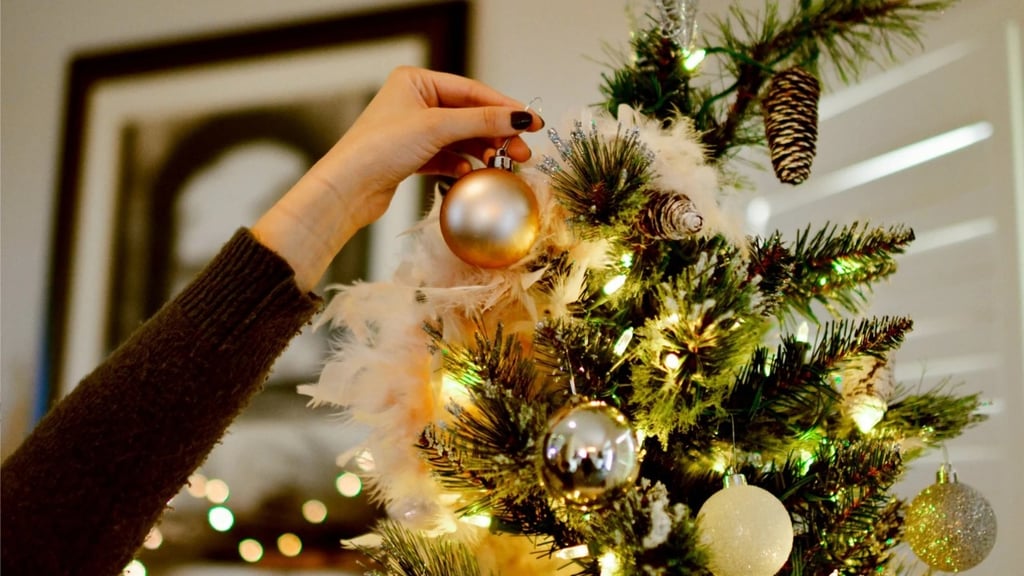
(143, 123)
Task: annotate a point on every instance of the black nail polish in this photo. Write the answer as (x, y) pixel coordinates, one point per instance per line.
(521, 119)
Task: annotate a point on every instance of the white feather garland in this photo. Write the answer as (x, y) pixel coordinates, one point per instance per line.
(679, 166)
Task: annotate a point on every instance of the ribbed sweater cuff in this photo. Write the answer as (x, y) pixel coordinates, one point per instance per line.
(244, 277)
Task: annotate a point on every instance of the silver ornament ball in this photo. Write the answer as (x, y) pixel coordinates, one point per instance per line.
(590, 453)
(950, 526)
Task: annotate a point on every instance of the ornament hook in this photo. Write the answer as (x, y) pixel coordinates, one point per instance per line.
(501, 158)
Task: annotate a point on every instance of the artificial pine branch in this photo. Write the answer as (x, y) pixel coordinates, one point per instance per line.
(404, 552)
(934, 416)
(602, 180)
(867, 336)
(707, 320)
(848, 519)
(834, 266)
(647, 533)
(578, 357)
(657, 85)
(846, 32)
(755, 46)
(489, 449)
(771, 263)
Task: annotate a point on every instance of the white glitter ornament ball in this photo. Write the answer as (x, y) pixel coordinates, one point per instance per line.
(746, 530)
(949, 525)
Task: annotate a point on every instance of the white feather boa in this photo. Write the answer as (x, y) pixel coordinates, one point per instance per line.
(382, 371)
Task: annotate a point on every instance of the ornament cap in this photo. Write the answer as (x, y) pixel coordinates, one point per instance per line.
(501, 160)
(731, 480)
(946, 474)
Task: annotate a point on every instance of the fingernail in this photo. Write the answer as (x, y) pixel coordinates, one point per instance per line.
(521, 119)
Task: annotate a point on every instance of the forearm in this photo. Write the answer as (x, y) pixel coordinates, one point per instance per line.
(81, 493)
(310, 224)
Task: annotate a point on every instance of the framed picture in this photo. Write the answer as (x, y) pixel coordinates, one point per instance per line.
(169, 148)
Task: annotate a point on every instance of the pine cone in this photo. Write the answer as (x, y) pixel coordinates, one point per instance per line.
(670, 217)
(790, 112)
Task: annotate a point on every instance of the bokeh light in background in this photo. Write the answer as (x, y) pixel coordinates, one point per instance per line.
(250, 550)
(349, 484)
(289, 544)
(196, 485)
(154, 539)
(217, 491)
(221, 519)
(314, 511)
(134, 568)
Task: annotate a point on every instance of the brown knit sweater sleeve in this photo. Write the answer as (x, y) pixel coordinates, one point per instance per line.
(83, 490)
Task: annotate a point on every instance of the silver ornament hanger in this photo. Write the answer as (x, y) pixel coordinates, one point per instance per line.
(501, 159)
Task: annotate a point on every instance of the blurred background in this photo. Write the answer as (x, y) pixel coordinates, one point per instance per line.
(936, 142)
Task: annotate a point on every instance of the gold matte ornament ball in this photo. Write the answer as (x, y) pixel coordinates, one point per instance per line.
(490, 218)
(950, 526)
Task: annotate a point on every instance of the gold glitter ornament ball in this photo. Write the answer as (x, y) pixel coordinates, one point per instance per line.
(950, 526)
(490, 218)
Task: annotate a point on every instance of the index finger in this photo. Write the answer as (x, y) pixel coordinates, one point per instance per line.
(453, 91)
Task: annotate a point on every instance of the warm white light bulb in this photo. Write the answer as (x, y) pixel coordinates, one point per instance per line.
(693, 59)
(614, 284)
(610, 565)
(866, 410)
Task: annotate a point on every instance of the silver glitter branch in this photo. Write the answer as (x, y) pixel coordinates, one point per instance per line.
(679, 21)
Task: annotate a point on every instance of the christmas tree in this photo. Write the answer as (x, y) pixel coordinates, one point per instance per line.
(612, 378)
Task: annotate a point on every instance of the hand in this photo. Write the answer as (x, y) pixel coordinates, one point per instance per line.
(419, 121)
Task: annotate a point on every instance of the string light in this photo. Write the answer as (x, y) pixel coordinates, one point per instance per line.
(481, 520)
(573, 552)
(610, 565)
(693, 59)
(454, 390)
(672, 361)
(250, 550)
(803, 333)
(866, 411)
(614, 284)
(623, 342)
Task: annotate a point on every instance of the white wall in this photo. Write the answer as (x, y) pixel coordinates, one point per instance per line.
(526, 48)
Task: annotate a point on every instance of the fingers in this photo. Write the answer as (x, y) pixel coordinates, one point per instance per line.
(452, 91)
(447, 163)
(450, 125)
